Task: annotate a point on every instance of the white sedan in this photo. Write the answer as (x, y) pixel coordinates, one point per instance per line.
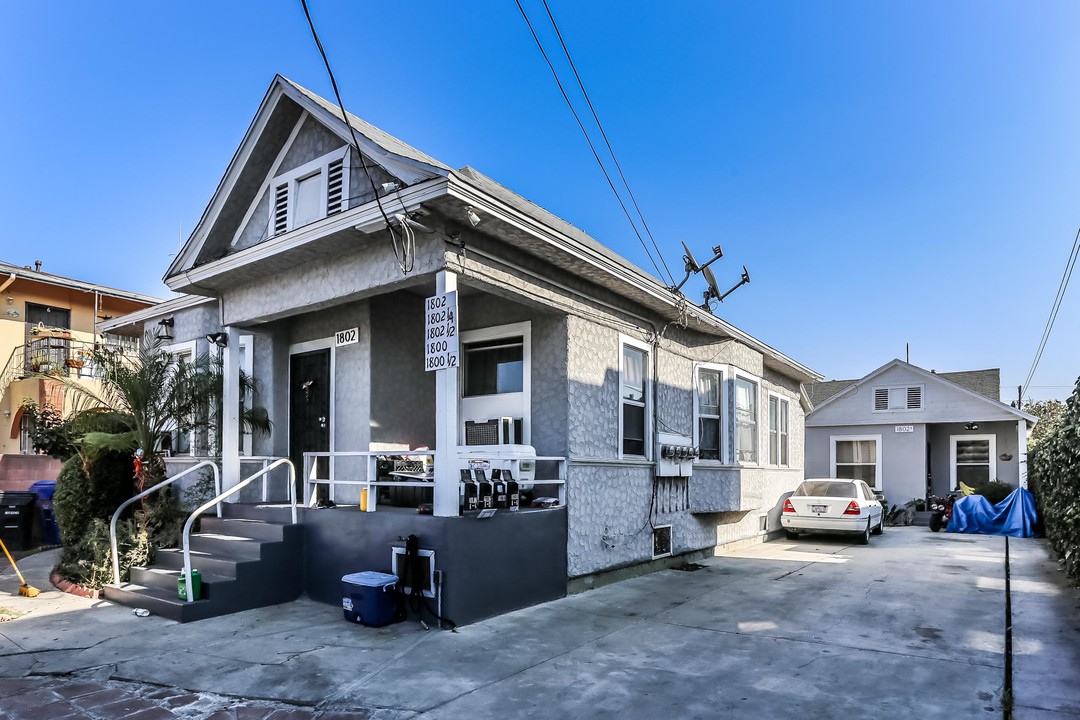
(833, 505)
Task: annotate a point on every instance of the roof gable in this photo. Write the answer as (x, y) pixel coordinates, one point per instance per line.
(285, 110)
(962, 399)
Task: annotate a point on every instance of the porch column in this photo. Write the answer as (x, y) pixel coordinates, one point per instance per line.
(1021, 452)
(446, 423)
(230, 411)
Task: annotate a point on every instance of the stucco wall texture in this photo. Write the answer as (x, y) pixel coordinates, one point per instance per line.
(608, 499)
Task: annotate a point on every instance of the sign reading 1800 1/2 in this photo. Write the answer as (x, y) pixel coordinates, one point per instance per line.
(441, 332)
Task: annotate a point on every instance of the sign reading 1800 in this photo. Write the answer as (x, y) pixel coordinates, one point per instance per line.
(441, 332)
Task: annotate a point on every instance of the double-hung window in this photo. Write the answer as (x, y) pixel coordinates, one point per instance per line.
(180, 440)
(310, 192)
(858, 458)
(633, 399)
(710, 381)
(778, 431)
(746, 420)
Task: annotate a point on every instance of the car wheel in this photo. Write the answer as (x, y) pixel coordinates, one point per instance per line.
(792, 534)
(864, 539)
(880, 529)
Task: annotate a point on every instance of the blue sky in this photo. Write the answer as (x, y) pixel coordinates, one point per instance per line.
(890, 173)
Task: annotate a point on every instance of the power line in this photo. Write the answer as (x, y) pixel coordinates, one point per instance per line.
(588, 139)
(1062, 286)
(603, 134)
(403, 257)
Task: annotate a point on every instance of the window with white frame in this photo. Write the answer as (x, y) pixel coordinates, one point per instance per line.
(710, 383)
(310, 192)
(857, 458)
(496, 394)
(778, 430)
(746, 420)
(633, 399)
(973, 458)
(906, 397)
(247, 366)
(178, 440)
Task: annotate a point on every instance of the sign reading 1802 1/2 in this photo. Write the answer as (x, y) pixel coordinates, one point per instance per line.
(441, 332)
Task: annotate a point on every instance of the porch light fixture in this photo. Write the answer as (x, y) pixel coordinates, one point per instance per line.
(164, 330)
(220, 339)
(473, 217)
(972, 426)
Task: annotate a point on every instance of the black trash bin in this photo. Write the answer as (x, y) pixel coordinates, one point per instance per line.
(50, 530)
(17, 510)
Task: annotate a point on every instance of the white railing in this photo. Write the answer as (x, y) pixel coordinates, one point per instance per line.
(409, 479)
(263, 460)
(190, 595)
(144, 493)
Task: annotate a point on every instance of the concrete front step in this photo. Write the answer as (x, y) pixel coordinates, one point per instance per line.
(239, 571)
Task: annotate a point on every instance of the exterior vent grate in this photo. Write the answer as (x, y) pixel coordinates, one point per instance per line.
(914, 398)
(334, 186)
(881, 398)
(661, 541)
(281, 208)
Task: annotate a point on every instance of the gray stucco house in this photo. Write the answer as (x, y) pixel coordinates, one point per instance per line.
(316, 266)
(909, 432)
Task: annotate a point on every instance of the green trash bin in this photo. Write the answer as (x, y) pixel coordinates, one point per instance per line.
(196, 585)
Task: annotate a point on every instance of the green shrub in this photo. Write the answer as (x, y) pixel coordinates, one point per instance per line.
(994, 491)
(88, 561)
(1054, 480)
(82, 498)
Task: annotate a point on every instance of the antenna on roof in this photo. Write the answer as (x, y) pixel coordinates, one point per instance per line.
(692, 266)
(712, 292)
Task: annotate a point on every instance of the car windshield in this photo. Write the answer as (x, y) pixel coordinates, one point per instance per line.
(826, 488)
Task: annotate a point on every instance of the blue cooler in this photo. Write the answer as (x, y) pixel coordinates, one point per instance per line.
(369, 597)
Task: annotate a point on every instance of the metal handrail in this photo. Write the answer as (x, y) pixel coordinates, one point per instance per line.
(190, 595)
(140, 496)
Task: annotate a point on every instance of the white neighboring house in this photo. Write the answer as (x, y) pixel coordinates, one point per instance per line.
(908, 432)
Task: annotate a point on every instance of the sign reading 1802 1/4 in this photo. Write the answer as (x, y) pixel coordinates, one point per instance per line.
(441, 332)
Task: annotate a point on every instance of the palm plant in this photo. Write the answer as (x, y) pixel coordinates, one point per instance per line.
(154, 394)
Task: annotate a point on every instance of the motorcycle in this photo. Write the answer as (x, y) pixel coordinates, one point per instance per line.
(941, 511)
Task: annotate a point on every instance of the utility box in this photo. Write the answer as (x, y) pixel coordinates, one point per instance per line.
(675, 455)
(369, 598)
(17, 519)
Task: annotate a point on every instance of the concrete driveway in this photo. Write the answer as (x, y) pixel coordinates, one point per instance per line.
(912, 625)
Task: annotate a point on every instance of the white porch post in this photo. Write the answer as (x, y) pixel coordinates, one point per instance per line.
(1021, 452)
(446, 423)
(230, 411)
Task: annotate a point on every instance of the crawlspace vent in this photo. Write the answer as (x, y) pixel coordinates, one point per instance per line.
(661, 541)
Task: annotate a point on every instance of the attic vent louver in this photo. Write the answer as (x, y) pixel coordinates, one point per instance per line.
(281, 208)
(881, 398)
(914, 397)
(335, 186)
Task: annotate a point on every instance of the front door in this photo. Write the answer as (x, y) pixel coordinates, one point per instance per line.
(309, 411)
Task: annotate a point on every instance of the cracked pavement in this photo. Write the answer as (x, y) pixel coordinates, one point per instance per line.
(818, 627)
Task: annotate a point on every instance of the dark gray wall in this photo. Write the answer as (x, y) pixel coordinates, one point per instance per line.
(492, 566)
(402, 392)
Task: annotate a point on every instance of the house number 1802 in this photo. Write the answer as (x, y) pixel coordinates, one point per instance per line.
(441, 332)
(348, 337)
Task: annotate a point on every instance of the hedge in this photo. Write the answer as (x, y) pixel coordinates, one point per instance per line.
(1054, 479)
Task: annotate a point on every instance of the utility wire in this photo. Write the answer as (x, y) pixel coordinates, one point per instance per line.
(584, 132)
(403, 258)
(607, 142)
(1062, 286)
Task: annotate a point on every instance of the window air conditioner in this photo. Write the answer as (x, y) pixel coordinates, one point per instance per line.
(498, 431)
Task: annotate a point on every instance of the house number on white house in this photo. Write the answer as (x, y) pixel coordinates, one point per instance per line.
(905, 428)
(441, 332)
(348, 337)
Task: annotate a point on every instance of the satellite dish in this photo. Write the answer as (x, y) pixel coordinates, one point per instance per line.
(691, 263)
(713, 290)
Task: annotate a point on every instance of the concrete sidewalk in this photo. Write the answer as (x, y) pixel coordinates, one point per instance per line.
(816, 628)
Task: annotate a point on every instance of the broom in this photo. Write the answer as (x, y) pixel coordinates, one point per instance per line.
(24, 589)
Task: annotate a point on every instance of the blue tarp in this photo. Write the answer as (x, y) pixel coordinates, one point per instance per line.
(1014, 516)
